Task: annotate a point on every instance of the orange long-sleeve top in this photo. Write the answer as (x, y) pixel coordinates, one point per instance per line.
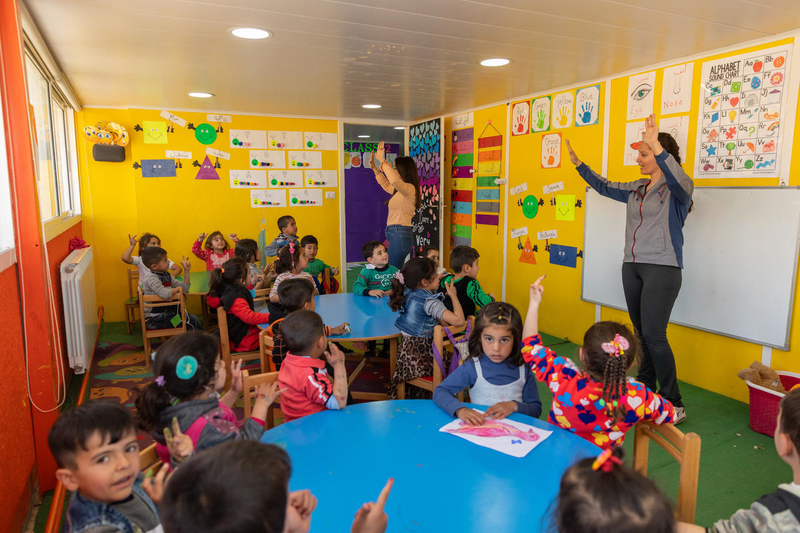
(402, 205)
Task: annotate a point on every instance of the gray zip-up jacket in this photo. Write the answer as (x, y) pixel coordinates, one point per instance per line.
(776, 512)
(655, 218)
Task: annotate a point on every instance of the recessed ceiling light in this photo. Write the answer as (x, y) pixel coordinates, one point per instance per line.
(201, 95)
(251, 33)
(363, 136)
(371, 106)
(399, 127)
(498, 62)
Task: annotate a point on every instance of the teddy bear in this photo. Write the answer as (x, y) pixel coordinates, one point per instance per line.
(763, 376)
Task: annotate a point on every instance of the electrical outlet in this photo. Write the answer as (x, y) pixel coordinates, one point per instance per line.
(330, 195)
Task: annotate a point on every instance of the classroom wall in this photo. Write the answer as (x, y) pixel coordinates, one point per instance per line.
(118, 201)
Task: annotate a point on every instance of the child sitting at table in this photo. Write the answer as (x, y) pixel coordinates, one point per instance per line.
(309, 388)
(375, 279)
(603, 495)
(290, 264)
(288, 234)
(216, 249)
(229, 283)
(420, 311)
(599, 404)
(316, 267)
(247, 249)
(495, 371)
(244, 487)
(159, 282)
(432, 253)
(464, 262)
(148, 239)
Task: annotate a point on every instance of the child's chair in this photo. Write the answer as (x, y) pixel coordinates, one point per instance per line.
(149, 460)
(132, 303)
(684, 448)
(154, 302)
(431, 382)
(329, 283)
(249, 384)
(265, 345)
(225, 342)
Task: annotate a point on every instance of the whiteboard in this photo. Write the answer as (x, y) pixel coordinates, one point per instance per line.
(739, 257)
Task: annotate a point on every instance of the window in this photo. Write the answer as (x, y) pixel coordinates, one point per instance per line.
(6, 220)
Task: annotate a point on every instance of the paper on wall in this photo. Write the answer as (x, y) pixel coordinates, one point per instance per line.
(320, 178)
(305, 159)
(273, 159)
(540, 114)
(319, 141)
(217, 153)
(543, 235)
(267, 198)
(256, 139)
(218, 118)
(175, 119)
(520, 118)
(676, 89)
(285, 179)
(678, 127)
(522, 187)
(640, 95)
(305, 197)
(285, 140)
(553, 187)
(519, 232)
(506, 436)
(175, 154)
(551, 150)
(587, 106)
(464, 120)
(563, 105)
(248, 179)
(633, 136)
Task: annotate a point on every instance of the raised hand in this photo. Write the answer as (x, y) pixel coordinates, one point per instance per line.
(471, 416)
(234, 237)
(304, 502)
(180, 446)
(334, 271)
(573, 156)
(236, 376)
(334, 355)
(132, 240)
(371, 517)
(268, 392)
(372, 165)
(154, 486)
(201, 236)
(185, 264)
(650, 135)
(380, 153)
(537, 290)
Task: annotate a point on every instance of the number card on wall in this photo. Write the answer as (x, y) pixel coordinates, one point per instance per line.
(321, 178)
(248, 139)
(265, 198)
(305, 197)
(305, 159)
(285, 179)
(248, 179)
(319, 141)
(742, 106)
(267, 159)
(286, 140)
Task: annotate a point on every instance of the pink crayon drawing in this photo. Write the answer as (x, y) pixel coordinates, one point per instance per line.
(495, 429)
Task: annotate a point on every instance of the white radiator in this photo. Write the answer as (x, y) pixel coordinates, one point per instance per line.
(80, 307)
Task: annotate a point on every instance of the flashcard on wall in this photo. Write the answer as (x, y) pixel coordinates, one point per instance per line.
(464, 120)
(217, 153)
(158, 168)
(248, 179)
(676, 89)
(551, 150)
(267, 158)
(565, 207)
(587, 106)
(544, 235)
(155, 132)
(218, 118)
(540, 114)
(553, 187)
(563, 255)
(516, 233)
(530, 206)
(207, 171)
(248, 139)
(356, 160)
(176, 154)
(205, 133)
(286, 140)
(285, 179)
(321, 178)
(678, 127)
(520, 118)
(563, 105)
(527, 253)
(640, 95)
(266, 198)
(320, 141)
(173, 119)
(305, 197)
(305, 159)
(633, 138)
(489, 169)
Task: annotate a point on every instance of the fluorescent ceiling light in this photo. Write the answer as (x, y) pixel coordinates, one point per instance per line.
(363, 136)
(399, 127)
(251, 33)
(371, 106)
(497, 62)
(201, 95)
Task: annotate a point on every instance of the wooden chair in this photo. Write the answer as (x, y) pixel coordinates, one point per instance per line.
(249, 384)
(265, 346)
(132, 303)
(148, 459)
(153, 302)
(684, 448)
(441, 341)
(225, 342)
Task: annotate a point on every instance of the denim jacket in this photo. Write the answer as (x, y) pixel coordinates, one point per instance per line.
(413, 319)
(84, 514)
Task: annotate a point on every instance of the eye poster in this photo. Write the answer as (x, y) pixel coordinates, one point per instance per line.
(640, 95)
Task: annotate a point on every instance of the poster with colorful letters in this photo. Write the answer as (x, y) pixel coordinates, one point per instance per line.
(742, 106)
(640, 95)
(587, 106)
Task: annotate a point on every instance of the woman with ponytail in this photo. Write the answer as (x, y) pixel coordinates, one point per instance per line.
(229, 284)
(599, 403)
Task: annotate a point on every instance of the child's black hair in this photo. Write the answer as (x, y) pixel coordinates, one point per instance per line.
(154, 398)
(232, 272)
(284, 221)
(238, 486)
(607, 368)
(295, 293)
(247, 249)
(790, 416)
(414, 272)
(208, 245)
(152, 255)
(288, 256)
(301, 330)
(308, 239)
(145, 239)
(461, 256)
(619, 501)
(369, 247)
(498, 314)
(76, 426)
(428, 249)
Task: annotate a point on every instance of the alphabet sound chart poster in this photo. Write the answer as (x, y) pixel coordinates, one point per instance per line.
(742, 105)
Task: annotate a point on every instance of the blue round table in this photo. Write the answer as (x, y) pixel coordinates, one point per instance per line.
(442, 482)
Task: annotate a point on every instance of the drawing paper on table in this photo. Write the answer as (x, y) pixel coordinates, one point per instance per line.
(506, 436)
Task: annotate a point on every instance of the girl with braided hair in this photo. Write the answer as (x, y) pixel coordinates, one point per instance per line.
(599, 403)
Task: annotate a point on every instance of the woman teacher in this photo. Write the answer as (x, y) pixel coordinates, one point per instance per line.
(657, 206)
(402, 182)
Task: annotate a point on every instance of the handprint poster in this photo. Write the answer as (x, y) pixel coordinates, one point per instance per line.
(520, 116)
(640, 95)
(587, 106)
(563, 104)
(540, 114)
(551, 150)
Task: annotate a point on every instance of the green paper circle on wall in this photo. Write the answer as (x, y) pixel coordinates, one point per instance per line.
(530, 206)
(205, 133)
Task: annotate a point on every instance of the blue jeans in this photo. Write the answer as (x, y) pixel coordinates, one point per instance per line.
(401, 242)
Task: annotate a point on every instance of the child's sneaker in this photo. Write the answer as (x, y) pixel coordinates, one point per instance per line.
(680, 415)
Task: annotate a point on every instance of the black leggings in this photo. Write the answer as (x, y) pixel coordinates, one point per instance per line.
(650, 292)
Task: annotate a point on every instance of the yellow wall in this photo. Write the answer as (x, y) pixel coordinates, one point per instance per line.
(118, 201)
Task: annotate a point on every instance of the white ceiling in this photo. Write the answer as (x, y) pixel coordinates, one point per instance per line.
(416, 58)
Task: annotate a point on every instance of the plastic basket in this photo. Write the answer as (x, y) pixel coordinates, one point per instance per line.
(764, 403)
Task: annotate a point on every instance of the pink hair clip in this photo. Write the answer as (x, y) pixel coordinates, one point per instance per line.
(400, 278)
(606, 460)
(291, 248)
(616, 347)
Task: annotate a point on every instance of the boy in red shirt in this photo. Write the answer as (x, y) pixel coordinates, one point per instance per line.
(309, 387)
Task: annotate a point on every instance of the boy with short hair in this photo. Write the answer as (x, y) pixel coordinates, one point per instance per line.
(316, 266)
(288, 228)
(97, 453)
(464, 262)
(778, 511)
(309, 388)
(375, 279)
(159, 282)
